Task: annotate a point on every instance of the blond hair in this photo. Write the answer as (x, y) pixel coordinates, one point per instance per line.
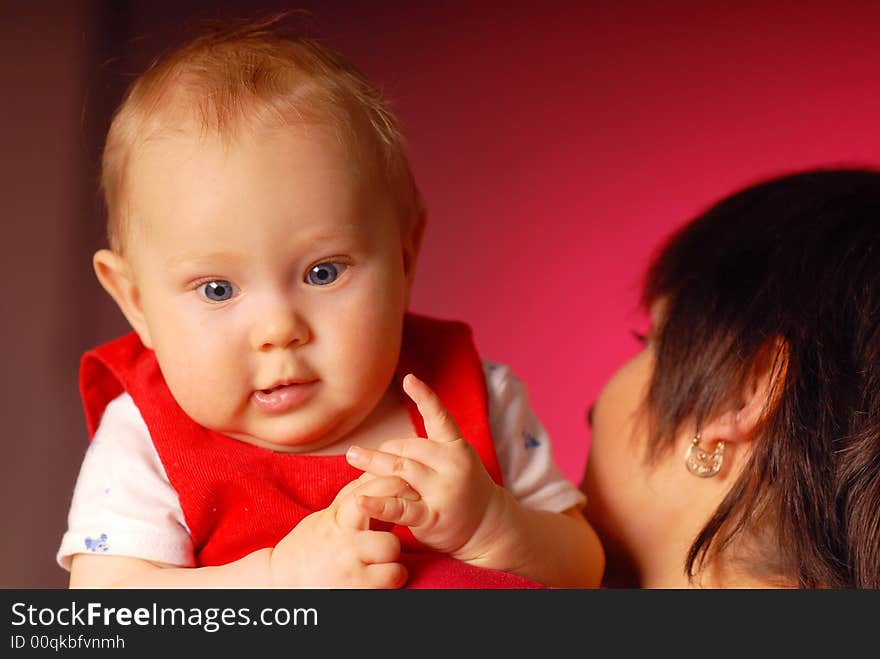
(252, 74)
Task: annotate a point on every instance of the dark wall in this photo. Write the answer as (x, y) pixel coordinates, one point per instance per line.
(50, 306)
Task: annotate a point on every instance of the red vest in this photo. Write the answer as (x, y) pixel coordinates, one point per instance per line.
(237, 497)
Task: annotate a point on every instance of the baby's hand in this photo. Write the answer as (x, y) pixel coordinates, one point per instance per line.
(461, 509)
(335, 548)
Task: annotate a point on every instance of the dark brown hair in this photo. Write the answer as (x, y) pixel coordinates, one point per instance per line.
(788, 270)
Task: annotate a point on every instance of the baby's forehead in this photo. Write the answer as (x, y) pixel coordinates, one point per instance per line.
(181, 173)
(184, 107)
(173, 140)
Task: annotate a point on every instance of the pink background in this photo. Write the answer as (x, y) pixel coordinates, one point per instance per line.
(556, 144)
(557, 148)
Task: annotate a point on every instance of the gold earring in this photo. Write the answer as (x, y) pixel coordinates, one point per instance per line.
(701, 463)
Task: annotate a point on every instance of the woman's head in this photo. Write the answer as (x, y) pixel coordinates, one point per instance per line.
(767, 336)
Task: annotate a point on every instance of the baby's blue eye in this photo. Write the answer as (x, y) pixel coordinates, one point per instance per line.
(325, 273)
(218, 290)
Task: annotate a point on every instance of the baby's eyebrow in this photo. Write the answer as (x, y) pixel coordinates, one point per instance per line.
(345, 237)
(341, 232)
(206, 258)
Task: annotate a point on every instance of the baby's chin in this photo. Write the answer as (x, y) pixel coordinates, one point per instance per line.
(283, 443)
(284, 439)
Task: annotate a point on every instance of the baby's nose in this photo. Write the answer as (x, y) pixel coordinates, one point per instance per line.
(279, 327)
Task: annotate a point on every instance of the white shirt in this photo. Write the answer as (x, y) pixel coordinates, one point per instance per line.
(123, 503)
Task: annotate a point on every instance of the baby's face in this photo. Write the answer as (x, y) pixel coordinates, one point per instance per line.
(272, 282)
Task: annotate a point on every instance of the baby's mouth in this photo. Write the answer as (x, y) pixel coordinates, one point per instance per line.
(283, 397)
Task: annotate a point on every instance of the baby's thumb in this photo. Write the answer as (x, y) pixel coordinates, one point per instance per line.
(348, 513)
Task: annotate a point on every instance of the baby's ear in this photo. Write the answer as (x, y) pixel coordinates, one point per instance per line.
(412, 243)
(115, 275)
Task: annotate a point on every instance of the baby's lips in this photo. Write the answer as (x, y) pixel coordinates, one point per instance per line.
(283, 398)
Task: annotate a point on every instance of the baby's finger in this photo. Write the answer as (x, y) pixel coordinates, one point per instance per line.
(349, 487)
(439, 424)
(348, 514)
(433, 455)
(382, 463)
(387, 486)
(394, 509)
(377, 547)
(385, 575)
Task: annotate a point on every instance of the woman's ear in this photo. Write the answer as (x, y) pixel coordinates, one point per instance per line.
(115, 275)
(757, 397)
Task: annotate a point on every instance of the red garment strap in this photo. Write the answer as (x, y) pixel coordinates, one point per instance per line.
(102, 374)
(455, 373)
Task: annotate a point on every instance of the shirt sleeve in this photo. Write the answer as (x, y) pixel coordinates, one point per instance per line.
(123, 503)
(522, 446)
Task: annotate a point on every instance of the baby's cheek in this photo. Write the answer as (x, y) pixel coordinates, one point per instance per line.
(208, 390)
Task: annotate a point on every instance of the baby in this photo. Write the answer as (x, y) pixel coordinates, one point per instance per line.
(263, 425)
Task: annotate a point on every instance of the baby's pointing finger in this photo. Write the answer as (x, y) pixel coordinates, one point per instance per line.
(387, 486)
(439, 424)
(380, 463)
